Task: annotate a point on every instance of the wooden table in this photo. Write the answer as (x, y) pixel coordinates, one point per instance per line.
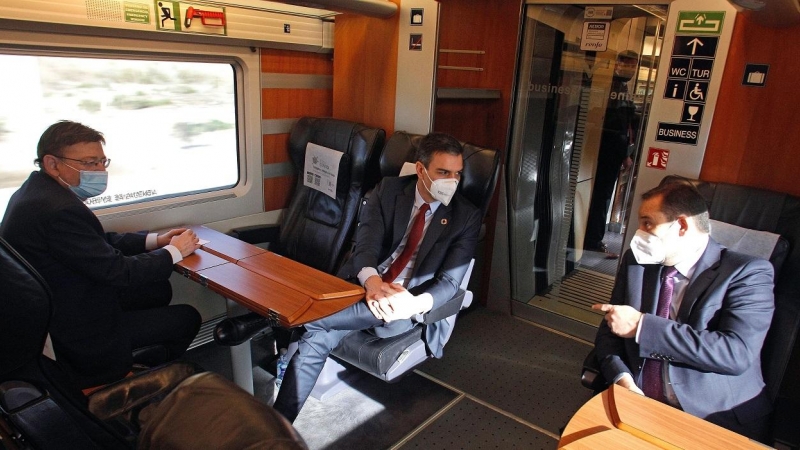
(288, 292)
(619, 418)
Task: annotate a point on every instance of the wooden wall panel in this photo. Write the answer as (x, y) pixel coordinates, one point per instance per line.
(754, 134)
(365, 69)
(293, 103)
(491, 27)
(274, 148)
(289, 102)
(290, 61)
(277, 192)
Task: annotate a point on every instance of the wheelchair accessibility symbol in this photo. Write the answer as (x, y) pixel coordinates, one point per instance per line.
(696, 91)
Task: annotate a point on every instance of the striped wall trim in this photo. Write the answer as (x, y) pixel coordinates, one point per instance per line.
(276, 170)
(277, 126)
(296, 81)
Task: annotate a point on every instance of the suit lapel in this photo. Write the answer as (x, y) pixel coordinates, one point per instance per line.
(404, 202)
(704, 274)
(651, 284)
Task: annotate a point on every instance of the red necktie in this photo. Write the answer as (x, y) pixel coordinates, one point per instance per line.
(412, 242)
(652, 381)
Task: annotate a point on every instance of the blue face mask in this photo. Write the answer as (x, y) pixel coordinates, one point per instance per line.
(92, 184)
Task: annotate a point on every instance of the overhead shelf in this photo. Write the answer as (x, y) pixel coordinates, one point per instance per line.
(467, 93)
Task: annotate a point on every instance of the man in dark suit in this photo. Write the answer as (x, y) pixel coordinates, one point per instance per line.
(110, 290)
(616, 146)
(688, 317)
(401, 279)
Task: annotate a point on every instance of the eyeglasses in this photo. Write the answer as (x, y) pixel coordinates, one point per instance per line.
(105, 162)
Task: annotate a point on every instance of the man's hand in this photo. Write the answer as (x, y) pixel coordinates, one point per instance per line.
(627, 382)
(390, 302)
(622, 319)
(186, 242)
(164, 239)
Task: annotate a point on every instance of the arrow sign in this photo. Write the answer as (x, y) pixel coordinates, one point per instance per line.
(694, 43)
(697, 46)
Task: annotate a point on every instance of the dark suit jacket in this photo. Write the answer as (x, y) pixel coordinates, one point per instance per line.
(84, 268)
(444, 253)
(713, 348)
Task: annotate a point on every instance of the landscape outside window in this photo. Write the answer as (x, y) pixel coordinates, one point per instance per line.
(170, 127)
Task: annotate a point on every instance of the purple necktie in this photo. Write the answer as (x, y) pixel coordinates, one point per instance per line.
(652, 381)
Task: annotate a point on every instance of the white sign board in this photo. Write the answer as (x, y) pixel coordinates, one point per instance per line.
(595, 36)
(321, 168)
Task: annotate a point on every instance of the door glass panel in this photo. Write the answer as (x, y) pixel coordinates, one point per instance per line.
(578, 117)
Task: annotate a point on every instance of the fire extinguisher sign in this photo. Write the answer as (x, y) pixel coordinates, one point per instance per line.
(657, 158)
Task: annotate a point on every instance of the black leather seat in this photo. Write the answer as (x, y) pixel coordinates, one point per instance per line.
(40, 409)
(778, 213)
(316, 229)
(391, 358)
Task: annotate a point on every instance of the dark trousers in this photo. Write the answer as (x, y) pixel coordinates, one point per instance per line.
(608, 166)
(159, 333)
(314, 346)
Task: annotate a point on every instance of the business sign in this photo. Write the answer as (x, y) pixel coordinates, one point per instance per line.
(595, 36)
(700, 22)
(678, 133)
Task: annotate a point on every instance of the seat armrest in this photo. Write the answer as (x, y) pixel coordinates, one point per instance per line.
(591, 377)
(256, 234)
(449, 308)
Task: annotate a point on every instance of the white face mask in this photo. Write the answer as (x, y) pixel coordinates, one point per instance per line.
(442, 189)
(648, 248)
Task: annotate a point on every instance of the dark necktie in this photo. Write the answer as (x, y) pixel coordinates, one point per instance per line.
(652, 381)
(412, 242)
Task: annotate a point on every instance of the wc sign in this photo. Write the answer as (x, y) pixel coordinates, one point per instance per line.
(657, 158)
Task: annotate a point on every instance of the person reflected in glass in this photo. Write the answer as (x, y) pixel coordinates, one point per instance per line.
(110, 290)
(617, 143)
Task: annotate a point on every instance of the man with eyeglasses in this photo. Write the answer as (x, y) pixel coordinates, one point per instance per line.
(110, 290)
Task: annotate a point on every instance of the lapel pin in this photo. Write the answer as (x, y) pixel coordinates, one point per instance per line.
(444, 221)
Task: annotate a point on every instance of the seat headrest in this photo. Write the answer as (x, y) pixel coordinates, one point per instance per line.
(481, 166)
(25, 306)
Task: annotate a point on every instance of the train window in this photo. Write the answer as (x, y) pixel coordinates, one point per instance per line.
(170, 127)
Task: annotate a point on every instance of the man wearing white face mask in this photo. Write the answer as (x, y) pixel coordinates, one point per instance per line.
(110, 290)
(413, 246)
(688, 317)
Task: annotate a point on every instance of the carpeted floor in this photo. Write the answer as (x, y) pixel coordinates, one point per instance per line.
(503, 383)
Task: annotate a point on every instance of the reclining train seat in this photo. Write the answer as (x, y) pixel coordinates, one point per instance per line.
(391, 358)
(174, 406)
(317, 229)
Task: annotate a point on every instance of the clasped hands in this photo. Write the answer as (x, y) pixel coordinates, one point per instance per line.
(391, 301)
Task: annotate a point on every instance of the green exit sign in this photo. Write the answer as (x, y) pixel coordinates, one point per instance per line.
(700, 22)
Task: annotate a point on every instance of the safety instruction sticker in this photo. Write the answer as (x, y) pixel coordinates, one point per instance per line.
(700, 22)
(190, 17)
(136, 12)
(321, 168)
